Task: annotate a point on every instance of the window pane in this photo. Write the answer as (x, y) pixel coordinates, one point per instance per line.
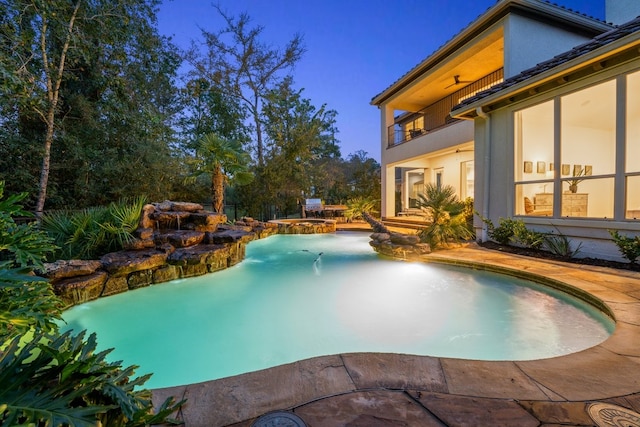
(467, 181)
(534, 199)
(588, 129)
(633, 123)
(534, 143)
(633, 197)
(593, 198)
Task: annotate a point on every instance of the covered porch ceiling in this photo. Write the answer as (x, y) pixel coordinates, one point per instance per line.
(475, 60)
(422, 160)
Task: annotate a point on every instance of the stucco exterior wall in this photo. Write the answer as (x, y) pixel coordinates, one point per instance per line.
(621, 11)
(528, 42)
(494, 171)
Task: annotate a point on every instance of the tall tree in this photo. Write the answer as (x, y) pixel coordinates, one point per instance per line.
(242, 66)
(92, 80)
(364, 175)
(50, 30)
(223, 160)
(301, 143)
(206, 109)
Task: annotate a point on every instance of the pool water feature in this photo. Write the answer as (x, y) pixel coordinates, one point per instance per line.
(296, 297)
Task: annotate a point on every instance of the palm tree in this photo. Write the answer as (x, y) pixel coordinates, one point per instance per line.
(447, 220)
(225, 161)
(358, 206)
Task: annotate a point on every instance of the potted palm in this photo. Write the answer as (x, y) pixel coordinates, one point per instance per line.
(577, 178)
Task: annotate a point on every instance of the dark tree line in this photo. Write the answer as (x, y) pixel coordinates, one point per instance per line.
(93, 109)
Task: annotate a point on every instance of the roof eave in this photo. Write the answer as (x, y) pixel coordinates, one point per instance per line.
(484, 21)
(589, 63)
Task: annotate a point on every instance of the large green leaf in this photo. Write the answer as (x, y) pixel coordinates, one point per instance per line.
(61, 380)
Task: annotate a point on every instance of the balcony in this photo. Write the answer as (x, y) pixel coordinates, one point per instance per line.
(436, 115)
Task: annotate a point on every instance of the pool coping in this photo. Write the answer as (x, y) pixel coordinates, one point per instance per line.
(449, 391)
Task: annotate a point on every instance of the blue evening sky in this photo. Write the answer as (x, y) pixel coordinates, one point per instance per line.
(355, 48)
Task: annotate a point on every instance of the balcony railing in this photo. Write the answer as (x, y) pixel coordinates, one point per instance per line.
(437, 115)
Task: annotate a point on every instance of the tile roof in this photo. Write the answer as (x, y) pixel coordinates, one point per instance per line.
(593, 44)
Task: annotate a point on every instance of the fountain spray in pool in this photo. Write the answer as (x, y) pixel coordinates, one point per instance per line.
(317, 264)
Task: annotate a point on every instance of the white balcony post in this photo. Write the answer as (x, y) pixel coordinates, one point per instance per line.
(387, 204)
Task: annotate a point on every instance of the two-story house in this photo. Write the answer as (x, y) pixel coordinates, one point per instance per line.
(421, 142)
(558, 145)
(532, 110)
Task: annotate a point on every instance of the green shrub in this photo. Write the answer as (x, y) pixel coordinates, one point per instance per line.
(504, 232)
(92, 232)
(468, 212)
(21, 245)
(448, 222)
(559, 244)
(48, 378)
(514, 232)
(359, 205)
(60, 380)
(628, 246)
(525, 237)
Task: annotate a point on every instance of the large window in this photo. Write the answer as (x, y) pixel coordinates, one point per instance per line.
(534, 162)
(632, 148)
(566, 156)
(467, 180)
(588, 146)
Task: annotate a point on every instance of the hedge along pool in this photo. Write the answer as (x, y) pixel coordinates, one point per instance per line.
(300, 296)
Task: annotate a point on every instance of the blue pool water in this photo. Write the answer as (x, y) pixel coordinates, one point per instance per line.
(296, 297)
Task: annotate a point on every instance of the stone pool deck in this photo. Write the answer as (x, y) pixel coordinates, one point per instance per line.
(370, 389)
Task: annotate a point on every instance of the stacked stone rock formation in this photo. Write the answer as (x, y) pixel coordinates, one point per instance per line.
(305, 226)
(174, 240)
(396, 245)
(177, 240)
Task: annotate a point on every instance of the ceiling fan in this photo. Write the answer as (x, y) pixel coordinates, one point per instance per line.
(457, 81)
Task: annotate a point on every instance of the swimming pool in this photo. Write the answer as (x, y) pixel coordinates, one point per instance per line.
(296, 297)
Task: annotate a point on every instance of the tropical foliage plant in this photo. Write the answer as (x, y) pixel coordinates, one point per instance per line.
(222, 160)
(629, 247)
(358, 206)
(512, 231)
(526, 237)
(504, 232)
(26, 301)
(62, 380)
(447, 220)
(21, 244)
(468, 212)
(48, 378)
(90, 232)
(559, 244)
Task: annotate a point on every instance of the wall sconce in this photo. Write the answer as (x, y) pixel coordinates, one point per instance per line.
(541, 167)
(551, 167)
(528, 167)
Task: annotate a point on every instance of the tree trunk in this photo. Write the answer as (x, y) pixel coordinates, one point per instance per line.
(217, 190)
(53, 92)
(377, 226)
(259, 147)
(46, 164)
